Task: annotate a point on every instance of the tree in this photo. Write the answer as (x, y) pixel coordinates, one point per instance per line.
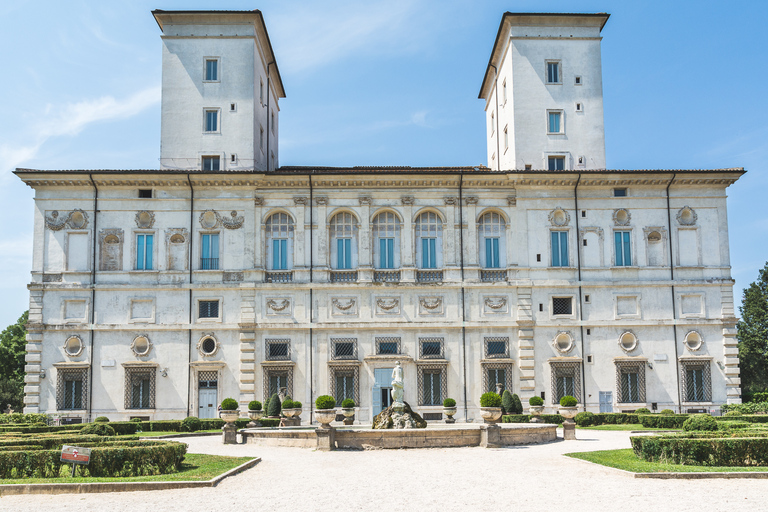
(12, 342)
(753, 336)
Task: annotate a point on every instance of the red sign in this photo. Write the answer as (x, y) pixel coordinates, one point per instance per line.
(75, 455)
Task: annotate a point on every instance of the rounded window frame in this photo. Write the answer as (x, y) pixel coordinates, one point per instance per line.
(136, 339)
(571, 342)
(698, 346)
(201, 343)
(80, 349)
(635, 344)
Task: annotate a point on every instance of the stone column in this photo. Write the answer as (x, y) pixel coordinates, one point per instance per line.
(322, 253)
(471, 260)
(510, 244)
(450, 238)
(406, 242)
(259, 248)
(326, 439)
(364, 252)
(300, 241)
(490, 436)
(730, 347)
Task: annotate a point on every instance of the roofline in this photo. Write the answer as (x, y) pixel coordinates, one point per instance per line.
(257, 12)
(542, 14)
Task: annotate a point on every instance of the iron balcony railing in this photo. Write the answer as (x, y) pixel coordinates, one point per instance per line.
(343, 276)
(386, 276)
(285, 276)
(209, 263)
(429, 276)
(493, 275)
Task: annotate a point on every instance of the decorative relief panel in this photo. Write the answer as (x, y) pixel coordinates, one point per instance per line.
(176, 243)
(495, 304)
(387, 305)
(232, 277)
(430, 305)
(76, 219)
(687, 216)
(145, 219)
(211, 219)
(278, 306)
(111, 249)
(344, 306)
(559, 217)
(407, 200)
(621, 217)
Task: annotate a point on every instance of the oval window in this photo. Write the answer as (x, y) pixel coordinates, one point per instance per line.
(209, 346)
(73, 346)
(563, 342)
(141, 345)
(693, 341)
(628, 341)
(621, 217)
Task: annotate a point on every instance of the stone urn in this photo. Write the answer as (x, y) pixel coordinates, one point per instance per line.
(229, 416)
(349, 413)
(490, 414)
(325, 417)
(289, 413)
(255, 415)
(568, 412)
(449, 412)
(536, 411)
(296, 413)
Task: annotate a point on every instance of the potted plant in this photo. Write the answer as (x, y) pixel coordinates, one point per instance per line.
(274, 407)
(449, 409)
(536, 407)
(348, 410)
(287, 407)
(229, 412)
(255, 412)
(326, 410)
(490, 407)
(568, 407)
(296, 410)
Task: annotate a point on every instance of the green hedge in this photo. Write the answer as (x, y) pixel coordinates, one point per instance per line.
(758, 418)
(29, 429)
(18, 417)
(526, 418)
(703, 450)
(150, 459)
(663, 420)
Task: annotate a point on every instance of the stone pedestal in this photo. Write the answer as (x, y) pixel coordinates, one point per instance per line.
(569, 430)
(450, 419)
(490, 436)
(326, 439)
(290, 422)
(349, 421)
(229, 433)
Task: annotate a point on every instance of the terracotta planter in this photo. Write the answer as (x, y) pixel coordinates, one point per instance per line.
(229, 416)
(568, 412)
(490, 414)
(255, 415)
(325, 417)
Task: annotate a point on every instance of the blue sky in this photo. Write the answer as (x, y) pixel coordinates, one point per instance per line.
(384, 83)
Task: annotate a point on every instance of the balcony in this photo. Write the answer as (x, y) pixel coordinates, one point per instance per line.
(282, 276)
(429, 276)
(343, 276)
(488, 276)
(209, 263)
(386, 276)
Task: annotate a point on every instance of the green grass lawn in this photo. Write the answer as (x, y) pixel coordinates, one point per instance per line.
(195, 467)
(628, 461)
(622, 426)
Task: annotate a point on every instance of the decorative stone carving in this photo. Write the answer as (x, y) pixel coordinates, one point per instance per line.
(76, 219)
(387, 304)
(234, 222)
(563, 342)
(628, 341)
(232, 277)
(145, 219)
(365, 200)
(495, 302)
(141, 346)
(511, 200)
(471, 200)
(258, 201)
(431, 305)
(343, 307)
(51, 278)
(407, 200)
(655, 234)
(55, 223)
(209, 219)
(111, 249)
(208, 345)
(621, 217)
(74, 346)
(687, 216)
(276, 306)
(592, 229)
(559, 217)
(398, 386)
(450, 201)
(176, 240)
(300, 200)
(321, 201)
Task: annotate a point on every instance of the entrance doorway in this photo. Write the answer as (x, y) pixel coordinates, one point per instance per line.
(207, 395)
(382, 389)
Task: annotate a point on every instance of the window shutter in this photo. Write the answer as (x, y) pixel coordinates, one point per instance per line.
(140, 252)
(390, 253)
(149, 253)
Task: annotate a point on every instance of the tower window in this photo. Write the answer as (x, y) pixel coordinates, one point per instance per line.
(211, 70)
(211, 163)
(145, 193)
(577, 80)
(556, 163)
(553, 72)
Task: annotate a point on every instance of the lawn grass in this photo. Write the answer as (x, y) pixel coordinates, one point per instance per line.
(623, 426)
(195, 467)
(627, 460)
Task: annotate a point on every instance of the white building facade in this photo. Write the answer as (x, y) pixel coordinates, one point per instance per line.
(157, 293)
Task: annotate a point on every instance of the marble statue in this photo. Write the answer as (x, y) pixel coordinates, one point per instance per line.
(397, 386)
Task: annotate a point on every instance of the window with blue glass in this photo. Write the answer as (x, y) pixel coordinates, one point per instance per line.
(343, 241)
(491, 228)
(556, 163)
(429, 232)
(144, 251)
(211, 70)
(554, 124)
(211, 120)
(553, 72)
(559, 248)
(279, 232)
(623, 248)
(209, 259)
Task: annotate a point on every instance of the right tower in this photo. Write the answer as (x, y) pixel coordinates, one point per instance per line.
(543, 92)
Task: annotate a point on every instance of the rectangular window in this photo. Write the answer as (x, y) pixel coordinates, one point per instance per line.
(387, 346)
(565, 386)
(428, 253)
(562, 306)
(140, 388)
(493, 124)
(697, 382)
(209, 259)
(431, 348)
(619, 192)
(556, 163)
(577, 80)
(273, 122)
(344, 348)
(261, 92)
(630, 390)
(277, 381)
(559, 248)
(553, 72)
(492, 253)
(280, 254)
(496, 376)
(73, 394)
(386, 253)
(144, 251)
(344, 253)
(145, 193)
(623, 250)
(211, 70)
(345, 387)
(566, 380)
(278, 350)
(504, 92)
(554, 124)
(208, 309)
(496, 347)
(211, 163)
(140, 393)
(211, 120)
(432, 389)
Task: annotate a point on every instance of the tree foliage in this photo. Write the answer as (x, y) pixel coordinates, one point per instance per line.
(12, 342)
(753, 335)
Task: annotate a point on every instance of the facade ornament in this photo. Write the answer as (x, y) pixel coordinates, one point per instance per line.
(141, 345)
(407, 200)
(145, 219)
(655, 233)
(498, 304)
(274, 306)
(321, 201)
(343, 307)
(55, 223)
(387, 305)
(76, 219)
(621, 217)
(258, 201)
(398, 386)
(559, 217)
(209, 219)
(511, 200)
(628, 341)
(471, 200)
(208, 345)
(450, 201)
(300, 200)
(234, 222)
(563, 342)
(431, 305)
(365, 200)
(687, 216)
(74, 346)
(592, 229)
(232, 277)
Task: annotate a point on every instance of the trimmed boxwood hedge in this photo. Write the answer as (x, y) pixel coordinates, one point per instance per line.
(663, 420)
(526, 418)
(701, 450)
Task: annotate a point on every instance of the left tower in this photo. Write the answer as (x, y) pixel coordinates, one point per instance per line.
(220, 92)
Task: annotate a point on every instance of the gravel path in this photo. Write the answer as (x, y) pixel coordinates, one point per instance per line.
(516, 478)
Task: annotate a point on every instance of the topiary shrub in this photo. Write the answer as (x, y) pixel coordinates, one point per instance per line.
(733, 413)
(325, 402)
(229, 404)
(266, 405)
(287, 403)
(347, 403)
(585, 419)
(449, 402)
(700, 422)
(642, 410)
(568, 401)
(535, 401)
(666, 411)
(507, 403)
(274, 406)
(490, 399)
(191, 424)
(254, 405)
(296, 404)
(99, 429)
(101, 419)
(135, 420)
(518, 404)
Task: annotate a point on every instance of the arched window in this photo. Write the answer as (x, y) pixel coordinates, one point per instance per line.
(279, 231)
(429, 240)
(491, 230)
(343, 241)
(386, 241)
